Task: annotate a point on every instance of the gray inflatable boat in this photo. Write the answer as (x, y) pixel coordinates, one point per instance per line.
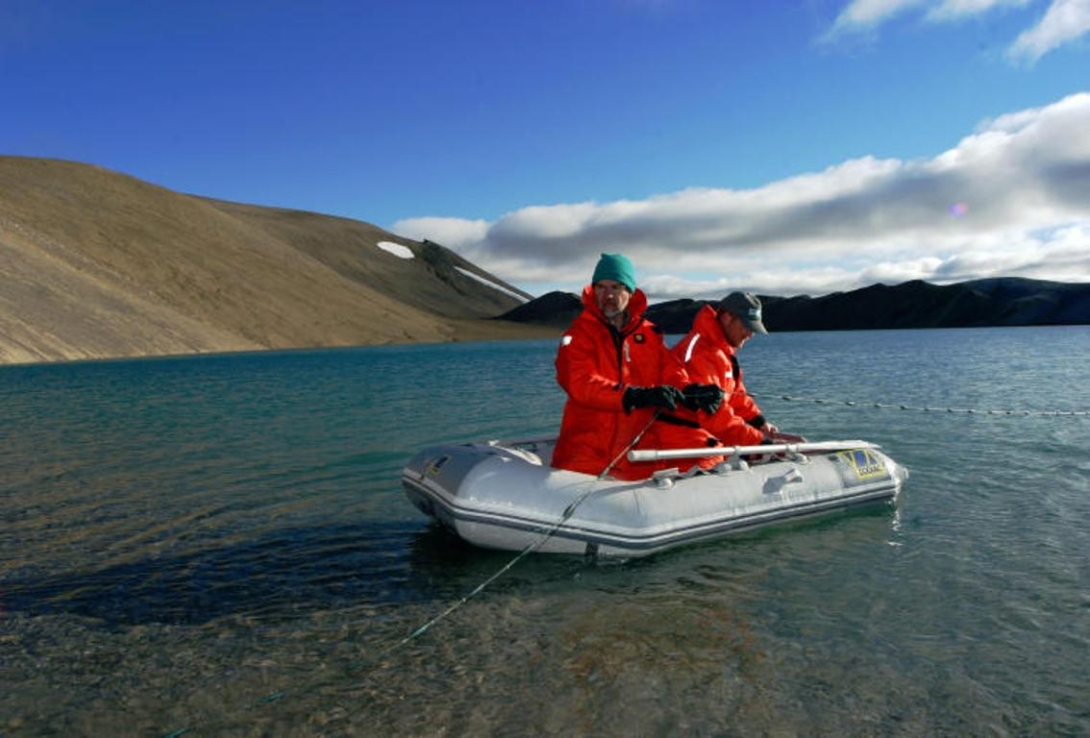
(505, 495)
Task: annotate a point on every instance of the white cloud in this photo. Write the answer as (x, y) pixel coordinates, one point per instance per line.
(867, 14)
(1063, 22)
(1011, 199)
(947, 10)
(454, 233)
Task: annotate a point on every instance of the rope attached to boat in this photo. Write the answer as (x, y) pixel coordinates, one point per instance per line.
(925, 408)
(280, 695)
(532, 546)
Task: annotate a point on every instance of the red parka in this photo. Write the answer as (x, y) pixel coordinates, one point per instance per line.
(709, 359)
(595, 364)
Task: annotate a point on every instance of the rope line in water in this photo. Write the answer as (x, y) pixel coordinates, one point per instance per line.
(534, 545)
(531, 547)
(926, 408)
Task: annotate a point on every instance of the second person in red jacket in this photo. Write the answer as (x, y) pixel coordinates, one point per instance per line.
(708, 354)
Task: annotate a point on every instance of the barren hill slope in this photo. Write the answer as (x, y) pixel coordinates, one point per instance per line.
(94, 263)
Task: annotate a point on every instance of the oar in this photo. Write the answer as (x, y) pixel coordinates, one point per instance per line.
(656, 454)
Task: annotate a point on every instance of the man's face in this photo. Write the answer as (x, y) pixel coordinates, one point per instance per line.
(612, 297)
(736, 331)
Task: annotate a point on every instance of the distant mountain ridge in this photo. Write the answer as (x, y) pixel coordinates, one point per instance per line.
(995, 302)
(1008, 301)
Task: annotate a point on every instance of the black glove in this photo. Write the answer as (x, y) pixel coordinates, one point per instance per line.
(664, 396)
(706, 397)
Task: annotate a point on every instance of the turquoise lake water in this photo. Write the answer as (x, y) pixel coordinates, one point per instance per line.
(220, 546)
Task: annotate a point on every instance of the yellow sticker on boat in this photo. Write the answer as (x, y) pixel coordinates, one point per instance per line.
(436, 466)
(866, 464)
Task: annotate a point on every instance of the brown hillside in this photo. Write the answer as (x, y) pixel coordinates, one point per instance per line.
(99, 264)
(348, 248)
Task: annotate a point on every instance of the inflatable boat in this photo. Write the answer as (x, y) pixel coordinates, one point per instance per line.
(505, 495)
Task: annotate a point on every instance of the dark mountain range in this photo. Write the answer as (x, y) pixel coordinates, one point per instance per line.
(916, 304)
(556, 309)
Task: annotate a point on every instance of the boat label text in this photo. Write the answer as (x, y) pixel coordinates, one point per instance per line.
(865, 464)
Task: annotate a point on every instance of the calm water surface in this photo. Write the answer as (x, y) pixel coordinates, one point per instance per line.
(220, 546)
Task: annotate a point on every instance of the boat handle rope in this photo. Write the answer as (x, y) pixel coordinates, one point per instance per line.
(311, 686)
(924, 408)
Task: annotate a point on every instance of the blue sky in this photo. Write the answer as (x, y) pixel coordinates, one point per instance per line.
(784, 147)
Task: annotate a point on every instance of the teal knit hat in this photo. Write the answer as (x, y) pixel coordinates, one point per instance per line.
(617, 268)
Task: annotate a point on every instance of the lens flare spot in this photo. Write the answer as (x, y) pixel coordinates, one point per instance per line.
(958, 209)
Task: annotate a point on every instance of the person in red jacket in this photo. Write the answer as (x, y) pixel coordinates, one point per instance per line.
(708, 353)
(619, 376)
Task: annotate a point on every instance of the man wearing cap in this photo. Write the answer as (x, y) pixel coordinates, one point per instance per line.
(708, 354)
(619, 376)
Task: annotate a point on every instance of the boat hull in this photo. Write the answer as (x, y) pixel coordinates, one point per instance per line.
(506, 496)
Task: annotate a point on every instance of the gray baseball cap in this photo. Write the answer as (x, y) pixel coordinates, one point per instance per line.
(747, 308)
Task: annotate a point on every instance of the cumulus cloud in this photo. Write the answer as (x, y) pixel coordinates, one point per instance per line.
(1064, 21)
(1011, 199)
(455, 233)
